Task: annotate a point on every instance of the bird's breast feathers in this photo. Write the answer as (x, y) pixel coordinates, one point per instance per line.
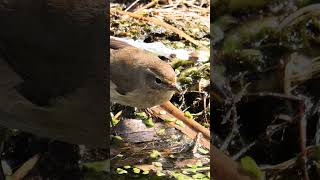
(140, 98)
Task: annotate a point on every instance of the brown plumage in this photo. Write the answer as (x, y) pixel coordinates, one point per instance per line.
(53, 55)
(139, 78)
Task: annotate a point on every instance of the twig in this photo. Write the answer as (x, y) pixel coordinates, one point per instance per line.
(295, 15)
(235, 127)
(277, 95)
(169, 107)
(242, 151)
(303, 140)
(188, 130)
(281, 166)
(150, 4)
(117, 115)
(197, 7)
(289, 163)
(135, 2)
(25, 168)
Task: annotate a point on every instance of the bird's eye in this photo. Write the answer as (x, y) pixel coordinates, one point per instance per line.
(158, 81)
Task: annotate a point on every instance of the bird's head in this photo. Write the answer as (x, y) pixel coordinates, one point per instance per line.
(161, 76)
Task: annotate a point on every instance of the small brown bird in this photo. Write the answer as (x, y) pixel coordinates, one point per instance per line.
(139, 78)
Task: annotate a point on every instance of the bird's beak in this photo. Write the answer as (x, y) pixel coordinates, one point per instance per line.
(174, 87)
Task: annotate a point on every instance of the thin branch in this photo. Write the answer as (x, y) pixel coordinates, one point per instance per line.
(135, 2)
(150, 4)
(303, 140)
(242, 151)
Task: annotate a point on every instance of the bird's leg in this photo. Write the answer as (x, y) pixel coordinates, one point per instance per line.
(149, 112)
(197, 144)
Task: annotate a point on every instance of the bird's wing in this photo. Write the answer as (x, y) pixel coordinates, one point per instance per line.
(116, 44)
(124, 69)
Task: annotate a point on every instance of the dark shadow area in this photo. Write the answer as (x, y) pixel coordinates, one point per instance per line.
(53, 85)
